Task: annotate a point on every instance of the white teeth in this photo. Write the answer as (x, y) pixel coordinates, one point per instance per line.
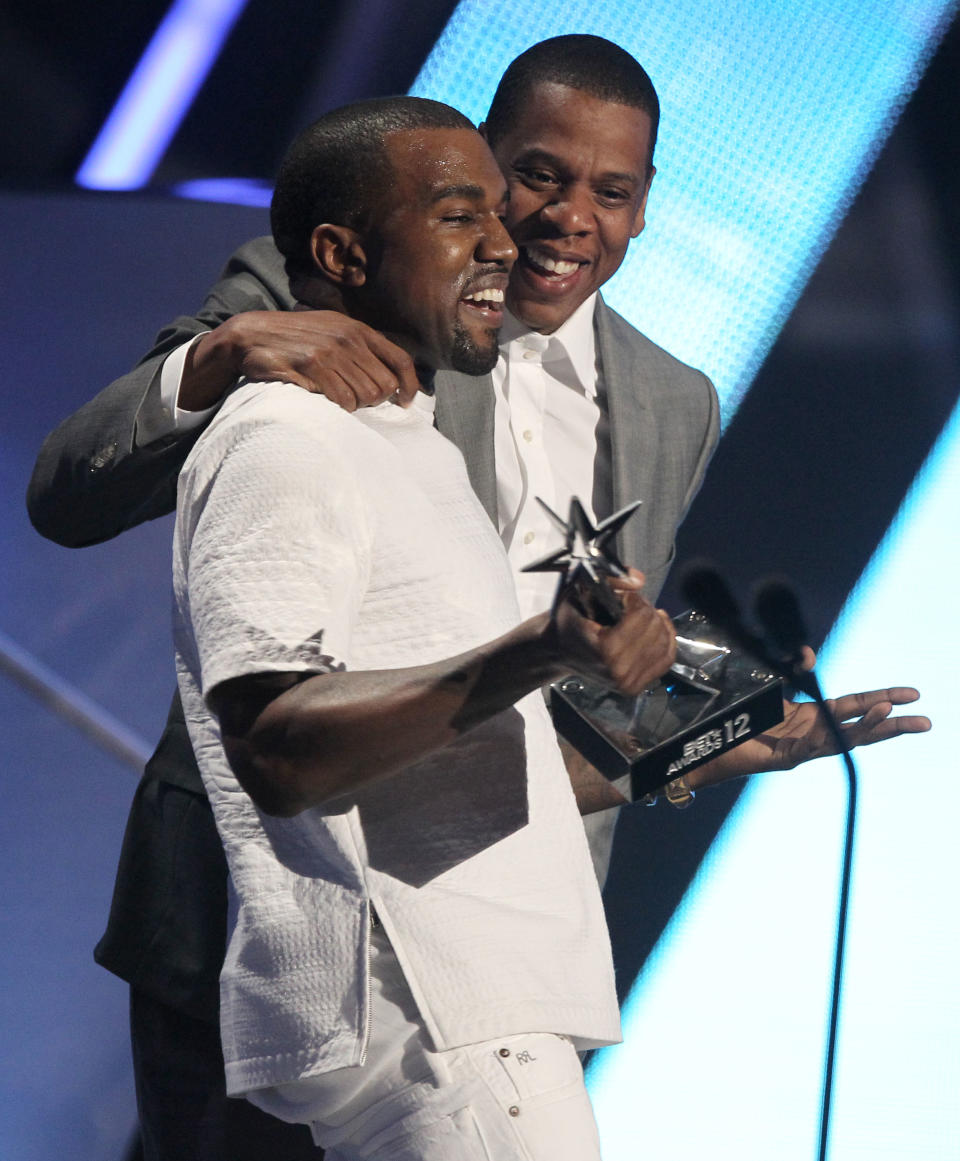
(553, 265)
(491, 295)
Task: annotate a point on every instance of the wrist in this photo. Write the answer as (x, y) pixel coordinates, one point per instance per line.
(532, 649)
(211, 367)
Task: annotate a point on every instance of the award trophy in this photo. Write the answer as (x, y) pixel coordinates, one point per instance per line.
(712, 698)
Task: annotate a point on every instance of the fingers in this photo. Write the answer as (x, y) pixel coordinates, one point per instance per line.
(326, 353)
(640, 648)
(399, 363)
(857, 704)
(633, 582)
(872, 711)
(864, 734)
(629, 589)
(808, 659)
(348, 370)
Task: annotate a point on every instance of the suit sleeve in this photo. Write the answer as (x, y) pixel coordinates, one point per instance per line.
(91, 481)
(708, 445)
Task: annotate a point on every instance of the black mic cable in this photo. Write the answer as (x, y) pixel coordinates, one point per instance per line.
(778, 610)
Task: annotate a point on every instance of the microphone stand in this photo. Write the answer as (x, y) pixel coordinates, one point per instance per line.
(843, 904)
(707, 590)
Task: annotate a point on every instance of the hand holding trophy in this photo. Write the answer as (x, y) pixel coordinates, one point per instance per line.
(713, 697)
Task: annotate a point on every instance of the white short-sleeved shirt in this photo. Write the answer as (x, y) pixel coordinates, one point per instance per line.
(308, 539)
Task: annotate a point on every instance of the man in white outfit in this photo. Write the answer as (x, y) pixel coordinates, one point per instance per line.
(417, 946)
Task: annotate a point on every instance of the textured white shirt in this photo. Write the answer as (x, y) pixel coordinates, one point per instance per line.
(551, 436)
(309, 539)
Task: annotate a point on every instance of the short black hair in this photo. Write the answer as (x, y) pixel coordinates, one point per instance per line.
(338, 167)
(589, 64)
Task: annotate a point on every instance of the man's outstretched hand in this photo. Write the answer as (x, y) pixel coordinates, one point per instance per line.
(321, 351)
(803, 735)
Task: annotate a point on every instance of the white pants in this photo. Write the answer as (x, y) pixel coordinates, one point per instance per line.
(521, 1098)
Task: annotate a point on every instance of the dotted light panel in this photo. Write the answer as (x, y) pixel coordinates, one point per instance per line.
(772, 113)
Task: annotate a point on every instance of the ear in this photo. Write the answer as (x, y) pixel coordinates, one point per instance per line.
(640, 216)
(482, 130)
(338, 253)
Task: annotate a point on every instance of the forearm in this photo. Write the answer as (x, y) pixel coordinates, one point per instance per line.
(592, 790)
(91, 481)
(332, 734)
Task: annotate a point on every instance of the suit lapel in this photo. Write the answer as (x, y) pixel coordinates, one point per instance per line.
(464, 414)
(631, 423)
(465, 411)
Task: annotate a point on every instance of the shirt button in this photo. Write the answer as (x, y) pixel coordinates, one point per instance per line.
(530, 354)
(528, 435)
(529, 537)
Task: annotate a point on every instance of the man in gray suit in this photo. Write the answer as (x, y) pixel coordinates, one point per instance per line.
(579, 402)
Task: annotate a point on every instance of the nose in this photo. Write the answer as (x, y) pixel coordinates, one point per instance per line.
(496, 245)
(570, 211)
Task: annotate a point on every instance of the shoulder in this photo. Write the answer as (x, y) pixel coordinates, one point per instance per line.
(276, 457)
(628, 356)
(282, 425)
(617, 337)
(258, 266)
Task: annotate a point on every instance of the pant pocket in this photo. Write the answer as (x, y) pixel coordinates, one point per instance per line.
(537, 1064)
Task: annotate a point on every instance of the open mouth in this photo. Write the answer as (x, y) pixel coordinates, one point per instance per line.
(544, 264)
(486, 304)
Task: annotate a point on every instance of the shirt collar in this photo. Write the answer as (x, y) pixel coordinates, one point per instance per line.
(574, 341)
(425, 402)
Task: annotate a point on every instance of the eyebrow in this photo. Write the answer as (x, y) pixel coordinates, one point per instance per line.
(475, 192)
(536, 155)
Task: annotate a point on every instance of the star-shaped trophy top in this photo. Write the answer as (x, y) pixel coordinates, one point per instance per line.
(586, 558)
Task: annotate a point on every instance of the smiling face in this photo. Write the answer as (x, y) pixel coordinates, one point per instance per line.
(439, 254)
(577, 169)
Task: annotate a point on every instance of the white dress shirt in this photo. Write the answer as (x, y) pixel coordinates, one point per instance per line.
(551, 441)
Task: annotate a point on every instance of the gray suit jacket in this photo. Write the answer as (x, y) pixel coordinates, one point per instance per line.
(166, 929)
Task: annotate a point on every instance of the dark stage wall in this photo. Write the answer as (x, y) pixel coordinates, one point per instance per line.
(87, 280)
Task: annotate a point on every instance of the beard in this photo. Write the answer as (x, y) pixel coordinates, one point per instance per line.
(471, 357)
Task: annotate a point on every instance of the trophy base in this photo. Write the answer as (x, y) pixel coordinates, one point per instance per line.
(675, 724)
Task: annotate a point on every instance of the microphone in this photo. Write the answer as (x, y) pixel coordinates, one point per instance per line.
(705, 588)
(777, 608)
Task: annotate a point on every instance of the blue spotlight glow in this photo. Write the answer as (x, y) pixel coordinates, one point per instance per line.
(158, 94)
(772, 115)
(236, 191)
